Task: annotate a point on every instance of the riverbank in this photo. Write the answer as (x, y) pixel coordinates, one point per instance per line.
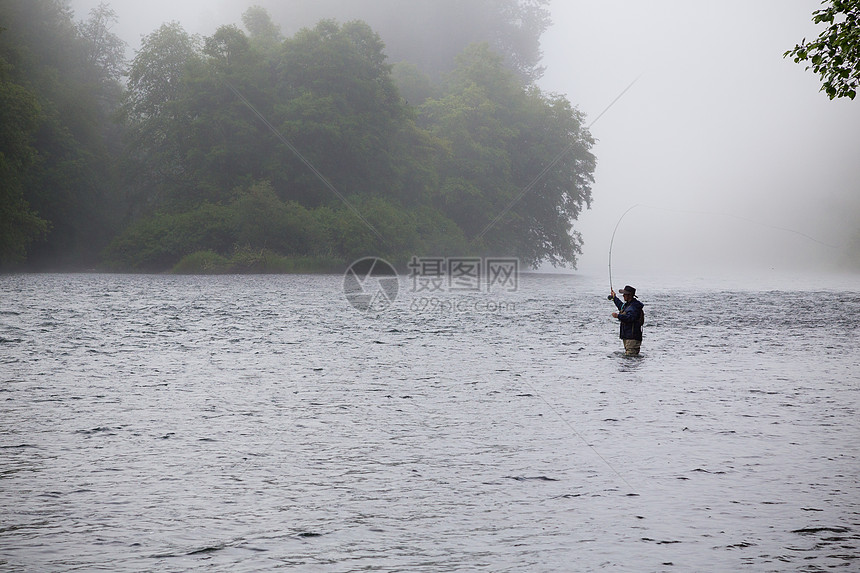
(247, 261)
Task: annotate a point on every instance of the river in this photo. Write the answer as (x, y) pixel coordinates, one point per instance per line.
(256, 423)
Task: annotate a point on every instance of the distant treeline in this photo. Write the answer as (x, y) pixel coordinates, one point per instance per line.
(185, 158)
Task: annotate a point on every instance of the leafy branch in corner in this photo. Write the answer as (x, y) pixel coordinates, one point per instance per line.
(835, 54)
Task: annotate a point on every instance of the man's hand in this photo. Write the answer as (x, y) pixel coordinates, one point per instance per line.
(614, 315)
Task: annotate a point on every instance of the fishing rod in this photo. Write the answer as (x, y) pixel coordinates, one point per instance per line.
(697, 212)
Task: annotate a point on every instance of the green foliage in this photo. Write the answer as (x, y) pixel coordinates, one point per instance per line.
(413, 84)
(422, 230)
(64, 191)
(20, 226)
(437, 235)
(501, 135)
(202, 263)
(159, 242)
(265, 35)
(430, 33)
(835, 54)
(157, 72)
(518, 26)
(246, 261)
(352, 239)
(228, 47)
(263, 220)
(338, 104)
(157, 124)
(263, 261)
(258, 229)
(104, 51)
(248, 152)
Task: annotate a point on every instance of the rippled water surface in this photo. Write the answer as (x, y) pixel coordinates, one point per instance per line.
(163, 423)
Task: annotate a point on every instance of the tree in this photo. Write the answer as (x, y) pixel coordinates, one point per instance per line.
(104, 51)
(516, 33)
(446, 178)
(19, 224)
(157, 71)
(835, 54)
(264, 33)
(430, 33)
(262, 220)
(157, 125)
(228, 46)
(338, 104)
(224, 145)
(501, 135)
(68, 182)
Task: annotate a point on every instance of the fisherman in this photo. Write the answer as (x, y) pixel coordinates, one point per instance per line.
(631, 316)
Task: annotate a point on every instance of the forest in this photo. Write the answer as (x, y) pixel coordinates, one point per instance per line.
(251, 151)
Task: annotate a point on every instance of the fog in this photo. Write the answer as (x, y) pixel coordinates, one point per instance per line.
(730, 148)
(718, 122)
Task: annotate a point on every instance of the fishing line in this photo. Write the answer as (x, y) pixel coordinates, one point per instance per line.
(304, 160)
(612, 240)
(578, 435)
(697, 212)
(355, 211)
(551, 164)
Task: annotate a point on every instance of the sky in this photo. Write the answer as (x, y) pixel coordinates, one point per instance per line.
(718, 123)
(731, 156)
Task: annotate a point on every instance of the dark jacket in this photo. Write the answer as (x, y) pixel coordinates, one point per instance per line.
(631, 316)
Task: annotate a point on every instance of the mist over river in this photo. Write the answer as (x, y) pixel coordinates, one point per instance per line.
(255, 423)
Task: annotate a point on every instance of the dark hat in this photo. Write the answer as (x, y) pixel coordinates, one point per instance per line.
(628, 290)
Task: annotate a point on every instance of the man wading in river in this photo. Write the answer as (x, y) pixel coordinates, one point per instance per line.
(631, 316)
